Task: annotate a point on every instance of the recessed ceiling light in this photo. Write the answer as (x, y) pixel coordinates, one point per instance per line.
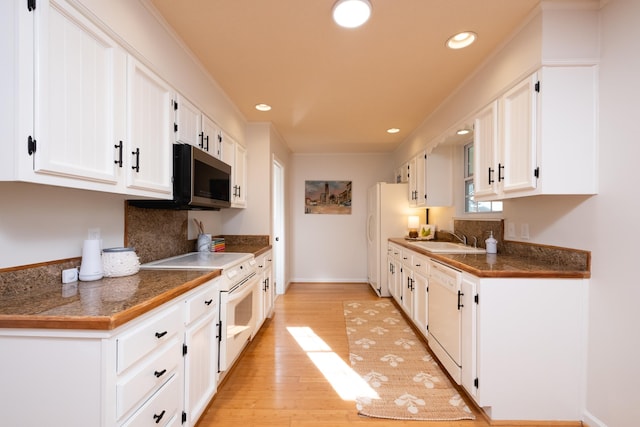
(393, 130)
(461, 40)
(263, 107)
(463, 131)
(351, 13)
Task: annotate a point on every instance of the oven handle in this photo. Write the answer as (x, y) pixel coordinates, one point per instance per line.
(236, 289)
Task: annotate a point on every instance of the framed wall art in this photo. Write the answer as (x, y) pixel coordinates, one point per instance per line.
(327, 197)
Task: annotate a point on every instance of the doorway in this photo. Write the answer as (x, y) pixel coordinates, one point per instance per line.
(278, 227)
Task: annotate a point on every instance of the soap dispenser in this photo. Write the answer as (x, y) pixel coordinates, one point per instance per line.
(491, 244)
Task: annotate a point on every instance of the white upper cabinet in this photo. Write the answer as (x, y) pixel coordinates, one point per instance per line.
(195, 128)
(188, 124)
(539, 137)
(239, 183)
(87, 114)
(149, 132)
(430, 178)
(211, 137)
(79, 92)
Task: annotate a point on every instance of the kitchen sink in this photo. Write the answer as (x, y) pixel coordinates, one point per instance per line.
(447, 247)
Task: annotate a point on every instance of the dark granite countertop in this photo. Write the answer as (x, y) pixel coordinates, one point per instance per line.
(99, 305)
(33, 299)
(536, 262)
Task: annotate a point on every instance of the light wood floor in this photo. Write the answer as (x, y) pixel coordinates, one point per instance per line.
(275, 383)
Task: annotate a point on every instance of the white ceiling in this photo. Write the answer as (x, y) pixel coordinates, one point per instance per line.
(334, 89)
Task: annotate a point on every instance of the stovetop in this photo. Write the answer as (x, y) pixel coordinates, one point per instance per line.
(199, 261)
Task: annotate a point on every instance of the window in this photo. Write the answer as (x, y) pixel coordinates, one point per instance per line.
(470, 205)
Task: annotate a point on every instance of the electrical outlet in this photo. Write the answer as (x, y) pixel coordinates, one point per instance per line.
(70, 275)
(93, 234)
(524, 231)
(511, 229)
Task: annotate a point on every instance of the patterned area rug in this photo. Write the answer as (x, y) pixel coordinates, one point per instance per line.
(406, 382)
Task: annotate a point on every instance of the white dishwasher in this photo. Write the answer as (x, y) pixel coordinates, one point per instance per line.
(445, 316)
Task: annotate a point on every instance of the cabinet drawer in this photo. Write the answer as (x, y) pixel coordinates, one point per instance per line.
(394, 251)
(203, 302)
(161, 408)
(407, 256)
(132, 389)
(420, 264)
(136, 343)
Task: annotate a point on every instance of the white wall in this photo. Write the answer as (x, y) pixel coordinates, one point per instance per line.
(332, 248)
(40, 223)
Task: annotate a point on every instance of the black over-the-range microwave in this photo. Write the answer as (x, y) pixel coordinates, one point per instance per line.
(200, 181)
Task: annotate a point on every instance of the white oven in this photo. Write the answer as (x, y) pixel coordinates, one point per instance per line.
(239, 296)
(238, 318)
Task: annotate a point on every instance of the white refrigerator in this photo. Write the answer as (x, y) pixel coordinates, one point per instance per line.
(387, 214)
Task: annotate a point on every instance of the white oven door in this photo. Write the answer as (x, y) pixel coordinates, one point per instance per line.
(238, 320)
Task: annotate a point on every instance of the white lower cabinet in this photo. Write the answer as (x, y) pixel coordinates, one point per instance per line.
(157, 370)
(267, 289)
(522, 340)
(523, 346)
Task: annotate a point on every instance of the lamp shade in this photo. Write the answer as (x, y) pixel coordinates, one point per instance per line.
(414, 221)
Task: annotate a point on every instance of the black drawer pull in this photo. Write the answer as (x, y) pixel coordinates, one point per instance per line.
(208, 302)
(160, 373)
(158, 417)
(160, 334)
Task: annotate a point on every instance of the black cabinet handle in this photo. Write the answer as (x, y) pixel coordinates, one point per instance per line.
(491, 181)
(460, 295)
(159, 416)
(207, 146)
(161, 334)
(158, 374)
(137, 165)
(201, 144)
(208, 302)
(500, 175)
(119, 147)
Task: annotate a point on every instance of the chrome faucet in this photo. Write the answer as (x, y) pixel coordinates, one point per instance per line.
(462, 239)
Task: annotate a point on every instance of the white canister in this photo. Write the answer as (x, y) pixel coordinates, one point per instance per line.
(118, 262)
(91, 265)
(204, 242)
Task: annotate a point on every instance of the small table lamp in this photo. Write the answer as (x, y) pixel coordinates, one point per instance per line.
(414, 221)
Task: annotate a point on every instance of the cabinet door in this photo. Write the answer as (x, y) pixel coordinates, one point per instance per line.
(421, 179)
(227, 148)
(239, 184)
(150, 132)
(485, 141)
(201, 365)
(420, 302)
(412, 175)
(79, 94)
(188, 123)
(518, 138)
(438, 177)
(211, 140)
(468, 344)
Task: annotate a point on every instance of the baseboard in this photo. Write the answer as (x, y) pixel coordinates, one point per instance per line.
(590, 420)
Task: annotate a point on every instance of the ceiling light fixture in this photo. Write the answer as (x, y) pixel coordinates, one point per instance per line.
(263, 107)
(393, 130)
(351, 13)
(461, 40)
(463, 132)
